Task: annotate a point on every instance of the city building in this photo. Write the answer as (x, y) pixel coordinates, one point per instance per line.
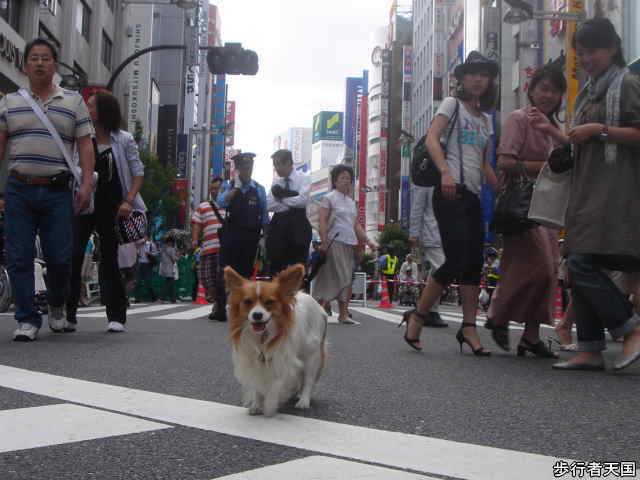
(299, 141)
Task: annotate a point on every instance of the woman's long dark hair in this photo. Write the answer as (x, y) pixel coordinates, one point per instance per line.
(108, 109)
(486, 101)
(599, 33)
(556, 77)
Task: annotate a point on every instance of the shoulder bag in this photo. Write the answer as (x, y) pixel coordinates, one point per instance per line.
(223, 224)
(550, 198)
(512, 203)
(75, 169)
(424, 171)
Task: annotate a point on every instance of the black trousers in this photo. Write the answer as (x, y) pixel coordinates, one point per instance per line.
(112, 288)
(462, 237)
(239, 249)
(288, 240)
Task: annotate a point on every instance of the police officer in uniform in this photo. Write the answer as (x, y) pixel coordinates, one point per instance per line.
(245, 201)
(289, 231)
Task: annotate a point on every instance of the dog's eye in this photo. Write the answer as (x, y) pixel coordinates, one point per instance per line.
(269, 303)
(248, 302)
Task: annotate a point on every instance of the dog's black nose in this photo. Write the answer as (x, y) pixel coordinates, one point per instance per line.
(257, 316)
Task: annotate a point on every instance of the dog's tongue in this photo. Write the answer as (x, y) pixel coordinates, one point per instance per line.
(258, 327)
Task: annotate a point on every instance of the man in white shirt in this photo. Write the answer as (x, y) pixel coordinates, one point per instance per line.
(289, 230)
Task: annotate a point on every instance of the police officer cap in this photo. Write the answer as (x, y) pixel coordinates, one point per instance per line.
(244, 159)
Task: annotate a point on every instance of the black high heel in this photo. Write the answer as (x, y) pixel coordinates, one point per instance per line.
(413, 343)
(478, 352)
(538, 349)
(499, 334)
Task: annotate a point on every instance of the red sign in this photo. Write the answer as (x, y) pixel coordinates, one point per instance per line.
(180, 187)
(88, 91)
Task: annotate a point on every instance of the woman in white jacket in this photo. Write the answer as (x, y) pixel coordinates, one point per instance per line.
(121, 173)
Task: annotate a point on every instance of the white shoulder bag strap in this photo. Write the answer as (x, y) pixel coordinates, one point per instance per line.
(75, 170)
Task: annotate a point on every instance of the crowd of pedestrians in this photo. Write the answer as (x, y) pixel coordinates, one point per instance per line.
(601, 247)
(242, 222)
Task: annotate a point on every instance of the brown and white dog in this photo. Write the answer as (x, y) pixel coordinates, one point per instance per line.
(278, 336)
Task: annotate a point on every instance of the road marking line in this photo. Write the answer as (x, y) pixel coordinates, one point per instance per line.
(190, 314)
(325, 468)
(135, 311)
(34, 427)
(387, 448)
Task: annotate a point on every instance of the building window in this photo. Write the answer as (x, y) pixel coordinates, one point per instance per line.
(107, 50)
(83, 19)
(10, 12)
(110, 4)
(43, 32)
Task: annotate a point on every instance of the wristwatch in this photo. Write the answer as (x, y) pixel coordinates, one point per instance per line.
(604, 134)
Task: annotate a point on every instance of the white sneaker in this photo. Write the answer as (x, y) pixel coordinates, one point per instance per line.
(25, 332)
(56, 319)
(115, 327)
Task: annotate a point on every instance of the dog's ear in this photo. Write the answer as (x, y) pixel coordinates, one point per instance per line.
(290, 279)
(232, 279)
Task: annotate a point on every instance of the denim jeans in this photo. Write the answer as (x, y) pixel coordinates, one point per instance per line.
(597, 302)
(47, 211)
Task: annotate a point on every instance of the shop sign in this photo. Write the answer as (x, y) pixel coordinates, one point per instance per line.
(9, 52)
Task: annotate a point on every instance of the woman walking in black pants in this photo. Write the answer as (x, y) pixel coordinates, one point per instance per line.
(456, 201)
(120, 177)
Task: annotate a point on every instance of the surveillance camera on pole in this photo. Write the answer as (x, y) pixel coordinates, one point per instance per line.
(232, 59)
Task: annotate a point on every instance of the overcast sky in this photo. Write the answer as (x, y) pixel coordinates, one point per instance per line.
(307, 48)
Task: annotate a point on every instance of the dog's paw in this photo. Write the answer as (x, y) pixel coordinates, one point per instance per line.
(254, 410)
(303, 403)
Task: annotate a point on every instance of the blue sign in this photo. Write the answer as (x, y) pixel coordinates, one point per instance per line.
(354, 90)
(405, 203)
(218, 114)
(487, 196)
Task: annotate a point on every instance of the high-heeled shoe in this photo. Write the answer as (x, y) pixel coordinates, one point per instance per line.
(499, 334)
(538, 349)
(478, 352)
(413, 342)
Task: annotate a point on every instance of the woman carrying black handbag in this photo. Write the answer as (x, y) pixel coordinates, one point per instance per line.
(530, 256)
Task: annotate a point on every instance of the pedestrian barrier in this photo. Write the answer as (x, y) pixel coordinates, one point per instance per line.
(201, 298)
(384, 300)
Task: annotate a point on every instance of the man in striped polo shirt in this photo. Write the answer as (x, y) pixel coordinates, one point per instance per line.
(206, 221)
(38, 194)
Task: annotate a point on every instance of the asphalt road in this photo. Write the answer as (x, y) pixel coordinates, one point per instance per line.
(160, 402)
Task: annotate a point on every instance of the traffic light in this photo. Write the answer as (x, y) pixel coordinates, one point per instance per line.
(232, 59)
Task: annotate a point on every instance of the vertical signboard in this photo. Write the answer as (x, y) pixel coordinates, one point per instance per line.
(179, 187)
(385, 88)
(405, 151)
(230, 122)
(575, 6)
(353, 92)
(140, 20)
(183, 150)
(362, 161)
(218, 121)
(167, 125)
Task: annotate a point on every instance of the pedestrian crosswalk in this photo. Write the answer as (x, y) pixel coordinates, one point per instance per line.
(90, 410)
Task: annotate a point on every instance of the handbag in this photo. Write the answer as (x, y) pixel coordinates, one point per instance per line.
(550, 198)
(131, 228)
(512, 203)
(73, 167)
(424, 171)
(223, 224)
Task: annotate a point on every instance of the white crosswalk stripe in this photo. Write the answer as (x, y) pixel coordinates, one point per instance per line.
(131, 411)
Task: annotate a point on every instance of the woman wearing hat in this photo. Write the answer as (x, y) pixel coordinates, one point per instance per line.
(456, 202)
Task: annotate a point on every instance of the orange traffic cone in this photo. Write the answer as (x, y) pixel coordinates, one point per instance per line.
(384, 299)
(559, 312)
(201, 298)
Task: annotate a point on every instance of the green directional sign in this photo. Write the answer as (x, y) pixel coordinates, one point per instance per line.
(328, 126)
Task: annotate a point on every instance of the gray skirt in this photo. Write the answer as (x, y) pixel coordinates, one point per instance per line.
(335, 276)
